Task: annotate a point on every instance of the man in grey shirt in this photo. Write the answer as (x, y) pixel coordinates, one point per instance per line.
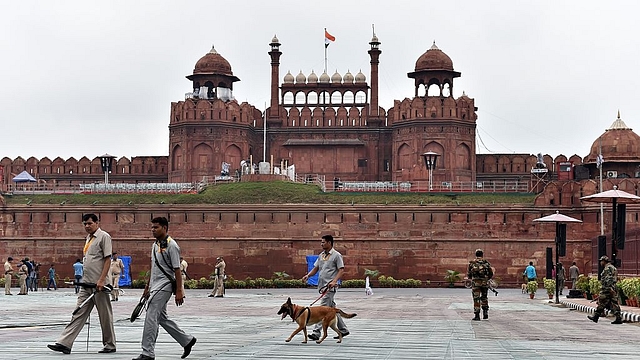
(165, 278)
(330, 267)
(574, 273)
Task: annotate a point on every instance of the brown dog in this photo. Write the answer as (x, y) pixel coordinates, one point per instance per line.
(312, 315)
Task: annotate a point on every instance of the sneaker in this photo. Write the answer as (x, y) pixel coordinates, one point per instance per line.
(314, 337)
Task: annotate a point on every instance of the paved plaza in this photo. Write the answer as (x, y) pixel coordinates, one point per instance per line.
(391, 324)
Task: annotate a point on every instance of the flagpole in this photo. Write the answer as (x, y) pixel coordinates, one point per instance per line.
(601, 204)
(325, 51)
(264, 134)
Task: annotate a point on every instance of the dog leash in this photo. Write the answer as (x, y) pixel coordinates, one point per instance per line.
(323, 291)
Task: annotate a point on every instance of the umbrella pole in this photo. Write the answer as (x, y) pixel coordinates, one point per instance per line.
(614, 232)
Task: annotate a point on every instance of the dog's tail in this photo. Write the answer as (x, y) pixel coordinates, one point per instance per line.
(344, 314)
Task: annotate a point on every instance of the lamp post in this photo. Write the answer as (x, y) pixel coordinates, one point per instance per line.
(430, 159)
(105, 161)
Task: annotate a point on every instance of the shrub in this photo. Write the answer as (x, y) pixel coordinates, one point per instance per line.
(138, 284)
(550, 286)
(372, 274)
(532, 287)
(582, 283)
(191, 284)
(353, 283)
(453, 276)
(594, 285)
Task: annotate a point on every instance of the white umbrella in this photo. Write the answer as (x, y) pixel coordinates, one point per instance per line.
(557, 217)
(612, 196)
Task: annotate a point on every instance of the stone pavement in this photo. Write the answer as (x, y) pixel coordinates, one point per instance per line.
(391, 324)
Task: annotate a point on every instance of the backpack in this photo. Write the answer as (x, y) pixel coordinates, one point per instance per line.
(480, 269)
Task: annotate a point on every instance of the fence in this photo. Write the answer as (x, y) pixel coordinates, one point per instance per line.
(423, 186)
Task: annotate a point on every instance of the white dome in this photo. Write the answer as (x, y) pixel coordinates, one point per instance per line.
(313, 78)
(324, 78)
(336, 78)
(360, 78)
(288, 79)
(300, 78)
(348, 78)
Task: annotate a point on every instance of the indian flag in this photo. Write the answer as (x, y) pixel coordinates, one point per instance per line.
(328, 38)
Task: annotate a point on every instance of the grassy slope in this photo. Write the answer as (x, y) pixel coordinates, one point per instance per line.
(277, 192)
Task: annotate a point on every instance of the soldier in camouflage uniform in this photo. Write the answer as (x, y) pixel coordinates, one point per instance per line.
(608, 297)
(480, 273)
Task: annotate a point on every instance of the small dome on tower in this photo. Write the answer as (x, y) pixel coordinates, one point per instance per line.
(336, 78)
(288, 79)
(213, 63)
(348, 78)
(619, 144)
(360, 78)
(313, 78)
(275, 40)
(434, 59)
(324, 78)
(300, 78)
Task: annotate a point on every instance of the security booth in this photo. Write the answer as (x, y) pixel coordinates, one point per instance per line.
(565, 170)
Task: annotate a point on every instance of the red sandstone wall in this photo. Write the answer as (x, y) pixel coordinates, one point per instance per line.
(401, 241)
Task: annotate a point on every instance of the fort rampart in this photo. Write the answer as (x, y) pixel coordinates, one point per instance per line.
(420, 242)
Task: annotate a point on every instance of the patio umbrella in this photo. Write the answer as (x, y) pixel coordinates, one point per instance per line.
(557, 218)
(612, 196)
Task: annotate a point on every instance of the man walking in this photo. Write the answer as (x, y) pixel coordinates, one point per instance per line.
(116, 268)
(52, 278)
(574, 273)
(77, 273)
(330, 267)
(560, 275)
(8, 274)
(165, 279)
(608, 297)
(480, 272)
(530, 271)
(97, 253)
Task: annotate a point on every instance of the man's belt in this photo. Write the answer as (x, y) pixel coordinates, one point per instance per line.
(8, 272)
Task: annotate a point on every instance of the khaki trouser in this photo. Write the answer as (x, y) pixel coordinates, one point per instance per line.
(23, 284)
(218, 286)
(115, 280)
(105, 314)
(7, 284)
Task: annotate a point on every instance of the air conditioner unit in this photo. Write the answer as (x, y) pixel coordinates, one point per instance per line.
(446, 184)
(612, 174)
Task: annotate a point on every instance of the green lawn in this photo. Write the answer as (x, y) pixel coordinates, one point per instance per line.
(278, 192)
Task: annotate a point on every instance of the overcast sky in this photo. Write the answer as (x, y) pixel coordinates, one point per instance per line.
(81, 78)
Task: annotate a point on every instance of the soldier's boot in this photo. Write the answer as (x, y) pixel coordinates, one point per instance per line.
(477, 317)
(618, 320)
(594, 318)
(485, 314)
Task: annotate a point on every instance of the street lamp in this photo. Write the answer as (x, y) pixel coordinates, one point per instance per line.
(105, 161)
(430, 159)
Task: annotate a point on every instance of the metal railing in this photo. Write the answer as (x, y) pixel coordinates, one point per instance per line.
(423, 186)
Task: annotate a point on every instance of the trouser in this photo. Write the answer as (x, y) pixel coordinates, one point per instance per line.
(78, 278)
(115, 282)
(608, 299)
(561, 285)
(218, 286)
(156, 317)
(105, 314)
(479, 290)
(32, 282)
(327, 300)
(22, 281)
(573, 283)
(7, 284)
(52, 282)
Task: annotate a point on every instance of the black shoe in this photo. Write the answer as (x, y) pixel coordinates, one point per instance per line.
(187, 348)
(106, 351)
(60, 348)
(314, 337)
(618, 320)
(593, 318)
(210, 295)
(143, 357)
(343, 335)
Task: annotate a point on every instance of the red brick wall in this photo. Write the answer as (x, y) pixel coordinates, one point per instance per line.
(401, 241)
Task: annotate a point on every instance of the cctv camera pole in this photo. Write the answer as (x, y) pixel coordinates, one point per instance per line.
(599, 162)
